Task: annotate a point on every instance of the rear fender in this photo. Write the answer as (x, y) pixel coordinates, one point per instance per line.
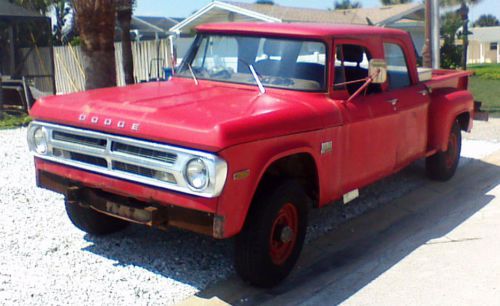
(447, 104)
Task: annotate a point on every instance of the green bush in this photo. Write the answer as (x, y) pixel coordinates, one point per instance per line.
(11, 121)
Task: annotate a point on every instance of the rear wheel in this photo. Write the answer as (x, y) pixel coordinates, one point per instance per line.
(93, 222)
(442, 165)
(270, 243)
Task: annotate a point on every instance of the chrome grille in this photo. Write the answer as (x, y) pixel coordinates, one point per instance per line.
(101, 162)
(151, 173)
(145, 162)
(79, 139)
(82, 158)
(143, 152)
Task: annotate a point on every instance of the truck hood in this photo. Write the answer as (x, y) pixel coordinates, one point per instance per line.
(210, 116)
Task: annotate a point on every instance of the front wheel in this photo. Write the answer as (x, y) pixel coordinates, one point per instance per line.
(442, 165)
(93, 222)
(270, 243)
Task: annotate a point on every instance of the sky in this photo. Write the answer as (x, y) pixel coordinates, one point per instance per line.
(173, 8)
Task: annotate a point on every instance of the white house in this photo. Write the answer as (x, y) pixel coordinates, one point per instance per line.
(484, 45)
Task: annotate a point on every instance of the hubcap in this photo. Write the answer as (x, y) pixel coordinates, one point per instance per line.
(283, 234)
(286, 234)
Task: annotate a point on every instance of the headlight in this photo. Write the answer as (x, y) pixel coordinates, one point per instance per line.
(196, 174)
(40, 140)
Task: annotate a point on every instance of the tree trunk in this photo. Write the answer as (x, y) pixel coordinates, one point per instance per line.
(465, 44)
(427, 51)
(464, 13)
(95, 20)
(124, 19)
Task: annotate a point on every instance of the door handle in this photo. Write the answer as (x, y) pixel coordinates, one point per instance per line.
(393, 101)
(424, 92)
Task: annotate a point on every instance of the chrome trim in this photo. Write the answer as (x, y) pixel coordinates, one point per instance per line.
(217, 167)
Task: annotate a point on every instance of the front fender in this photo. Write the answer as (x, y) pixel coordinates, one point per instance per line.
(255, 157)
(446, 105)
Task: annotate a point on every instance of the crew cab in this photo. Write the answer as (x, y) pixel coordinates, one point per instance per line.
(261, 123)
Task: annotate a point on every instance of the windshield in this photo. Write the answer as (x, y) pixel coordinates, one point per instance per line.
(282, 63)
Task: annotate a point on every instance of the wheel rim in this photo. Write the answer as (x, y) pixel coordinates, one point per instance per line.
(283, 234)
(451, 153)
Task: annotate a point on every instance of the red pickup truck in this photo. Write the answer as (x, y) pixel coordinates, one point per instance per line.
(261, 123)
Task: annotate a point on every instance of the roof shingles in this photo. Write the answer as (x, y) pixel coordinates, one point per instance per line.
(351, 16)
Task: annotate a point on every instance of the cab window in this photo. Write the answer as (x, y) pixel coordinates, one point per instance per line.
(351, 64)
(397, 70)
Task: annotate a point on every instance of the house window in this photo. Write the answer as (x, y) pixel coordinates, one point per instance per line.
(493, 46)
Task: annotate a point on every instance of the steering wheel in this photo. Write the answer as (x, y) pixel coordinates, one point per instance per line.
(220, 72)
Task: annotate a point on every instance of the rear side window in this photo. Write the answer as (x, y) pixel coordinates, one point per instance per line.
(397, 70)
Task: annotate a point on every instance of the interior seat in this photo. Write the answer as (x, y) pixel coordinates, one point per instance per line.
(268, 66)
(355, 54)
(310, 71)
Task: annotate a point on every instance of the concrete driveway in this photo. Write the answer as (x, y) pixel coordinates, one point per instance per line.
(437, 245)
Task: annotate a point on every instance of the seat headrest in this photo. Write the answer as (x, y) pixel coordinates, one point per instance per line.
(273, 47)
(353, 53)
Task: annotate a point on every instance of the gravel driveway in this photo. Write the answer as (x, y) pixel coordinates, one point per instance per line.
(45, 260)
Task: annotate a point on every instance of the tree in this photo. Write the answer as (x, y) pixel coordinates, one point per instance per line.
(124, 10)
(41, 6)
(451, 54)
(267, 2)
(487, 20)
(63, 29)
(392, 2)
(346, 5)
(464, 13)
(95, 20)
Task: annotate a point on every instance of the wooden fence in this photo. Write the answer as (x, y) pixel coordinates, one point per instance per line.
(148, 57)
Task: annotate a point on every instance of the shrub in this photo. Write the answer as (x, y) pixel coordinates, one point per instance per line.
(11, 121)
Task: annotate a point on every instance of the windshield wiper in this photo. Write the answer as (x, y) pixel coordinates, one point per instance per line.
(262, 89)
(192, 74)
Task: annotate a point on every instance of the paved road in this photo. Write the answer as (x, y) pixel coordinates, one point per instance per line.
(436, 245)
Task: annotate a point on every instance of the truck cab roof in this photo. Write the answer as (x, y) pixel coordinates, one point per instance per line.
(304, 30)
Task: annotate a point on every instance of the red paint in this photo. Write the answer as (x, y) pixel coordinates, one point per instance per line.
(288, 217)
(371, 139)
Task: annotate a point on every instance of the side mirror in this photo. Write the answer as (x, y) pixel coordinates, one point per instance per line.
(377, 69)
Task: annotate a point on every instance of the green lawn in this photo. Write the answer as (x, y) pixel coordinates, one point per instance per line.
(486, 71)
(485, 86)
(488, 92)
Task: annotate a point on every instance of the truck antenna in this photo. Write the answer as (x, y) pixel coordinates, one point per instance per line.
(193, 75)
(262, 89)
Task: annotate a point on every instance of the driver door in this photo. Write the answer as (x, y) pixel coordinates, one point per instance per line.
(370, 131)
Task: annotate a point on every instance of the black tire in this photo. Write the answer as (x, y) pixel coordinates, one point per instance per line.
(93, 222)
(261, 257)
(442, 165)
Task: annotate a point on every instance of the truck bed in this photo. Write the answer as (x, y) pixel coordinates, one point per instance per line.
(442, 78)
